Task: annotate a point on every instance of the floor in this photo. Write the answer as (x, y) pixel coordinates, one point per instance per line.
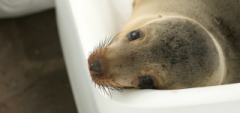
(33, 77)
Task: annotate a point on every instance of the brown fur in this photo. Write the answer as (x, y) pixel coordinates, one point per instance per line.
(192, 43)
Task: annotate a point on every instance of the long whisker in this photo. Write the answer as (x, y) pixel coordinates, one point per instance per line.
(107, 90)
(105, 42)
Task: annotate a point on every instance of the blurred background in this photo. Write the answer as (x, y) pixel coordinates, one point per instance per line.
(33, 77)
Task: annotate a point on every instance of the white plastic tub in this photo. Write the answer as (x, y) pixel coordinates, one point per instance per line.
(82, 24)
(17, 8)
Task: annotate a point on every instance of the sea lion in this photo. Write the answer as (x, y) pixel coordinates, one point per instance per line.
(172, 44)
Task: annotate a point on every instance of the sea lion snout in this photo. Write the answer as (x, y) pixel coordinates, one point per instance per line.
(97, 62)
(98, 66)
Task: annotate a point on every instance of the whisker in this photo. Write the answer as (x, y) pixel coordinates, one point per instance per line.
(105, 42)
(107, 90)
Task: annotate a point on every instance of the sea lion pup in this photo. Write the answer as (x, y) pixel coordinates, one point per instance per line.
(172, 44)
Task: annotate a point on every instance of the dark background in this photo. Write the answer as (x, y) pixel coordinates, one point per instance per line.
(33, 77)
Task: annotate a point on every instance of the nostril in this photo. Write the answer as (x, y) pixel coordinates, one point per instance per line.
(95, 66)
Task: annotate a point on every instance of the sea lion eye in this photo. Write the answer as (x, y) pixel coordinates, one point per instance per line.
(133, 35)
(146, 82)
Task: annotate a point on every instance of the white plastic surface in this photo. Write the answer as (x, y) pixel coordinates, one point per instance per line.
(82, 24)
(16, 8)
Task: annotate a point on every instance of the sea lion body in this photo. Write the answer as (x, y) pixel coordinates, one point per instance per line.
(172, 44)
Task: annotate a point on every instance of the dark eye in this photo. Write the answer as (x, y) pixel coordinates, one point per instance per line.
(133, 35)
(146, 82)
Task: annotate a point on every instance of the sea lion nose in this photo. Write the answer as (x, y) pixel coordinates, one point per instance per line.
(95, 66)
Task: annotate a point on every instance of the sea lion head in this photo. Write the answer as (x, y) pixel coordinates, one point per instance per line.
(166, 53)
